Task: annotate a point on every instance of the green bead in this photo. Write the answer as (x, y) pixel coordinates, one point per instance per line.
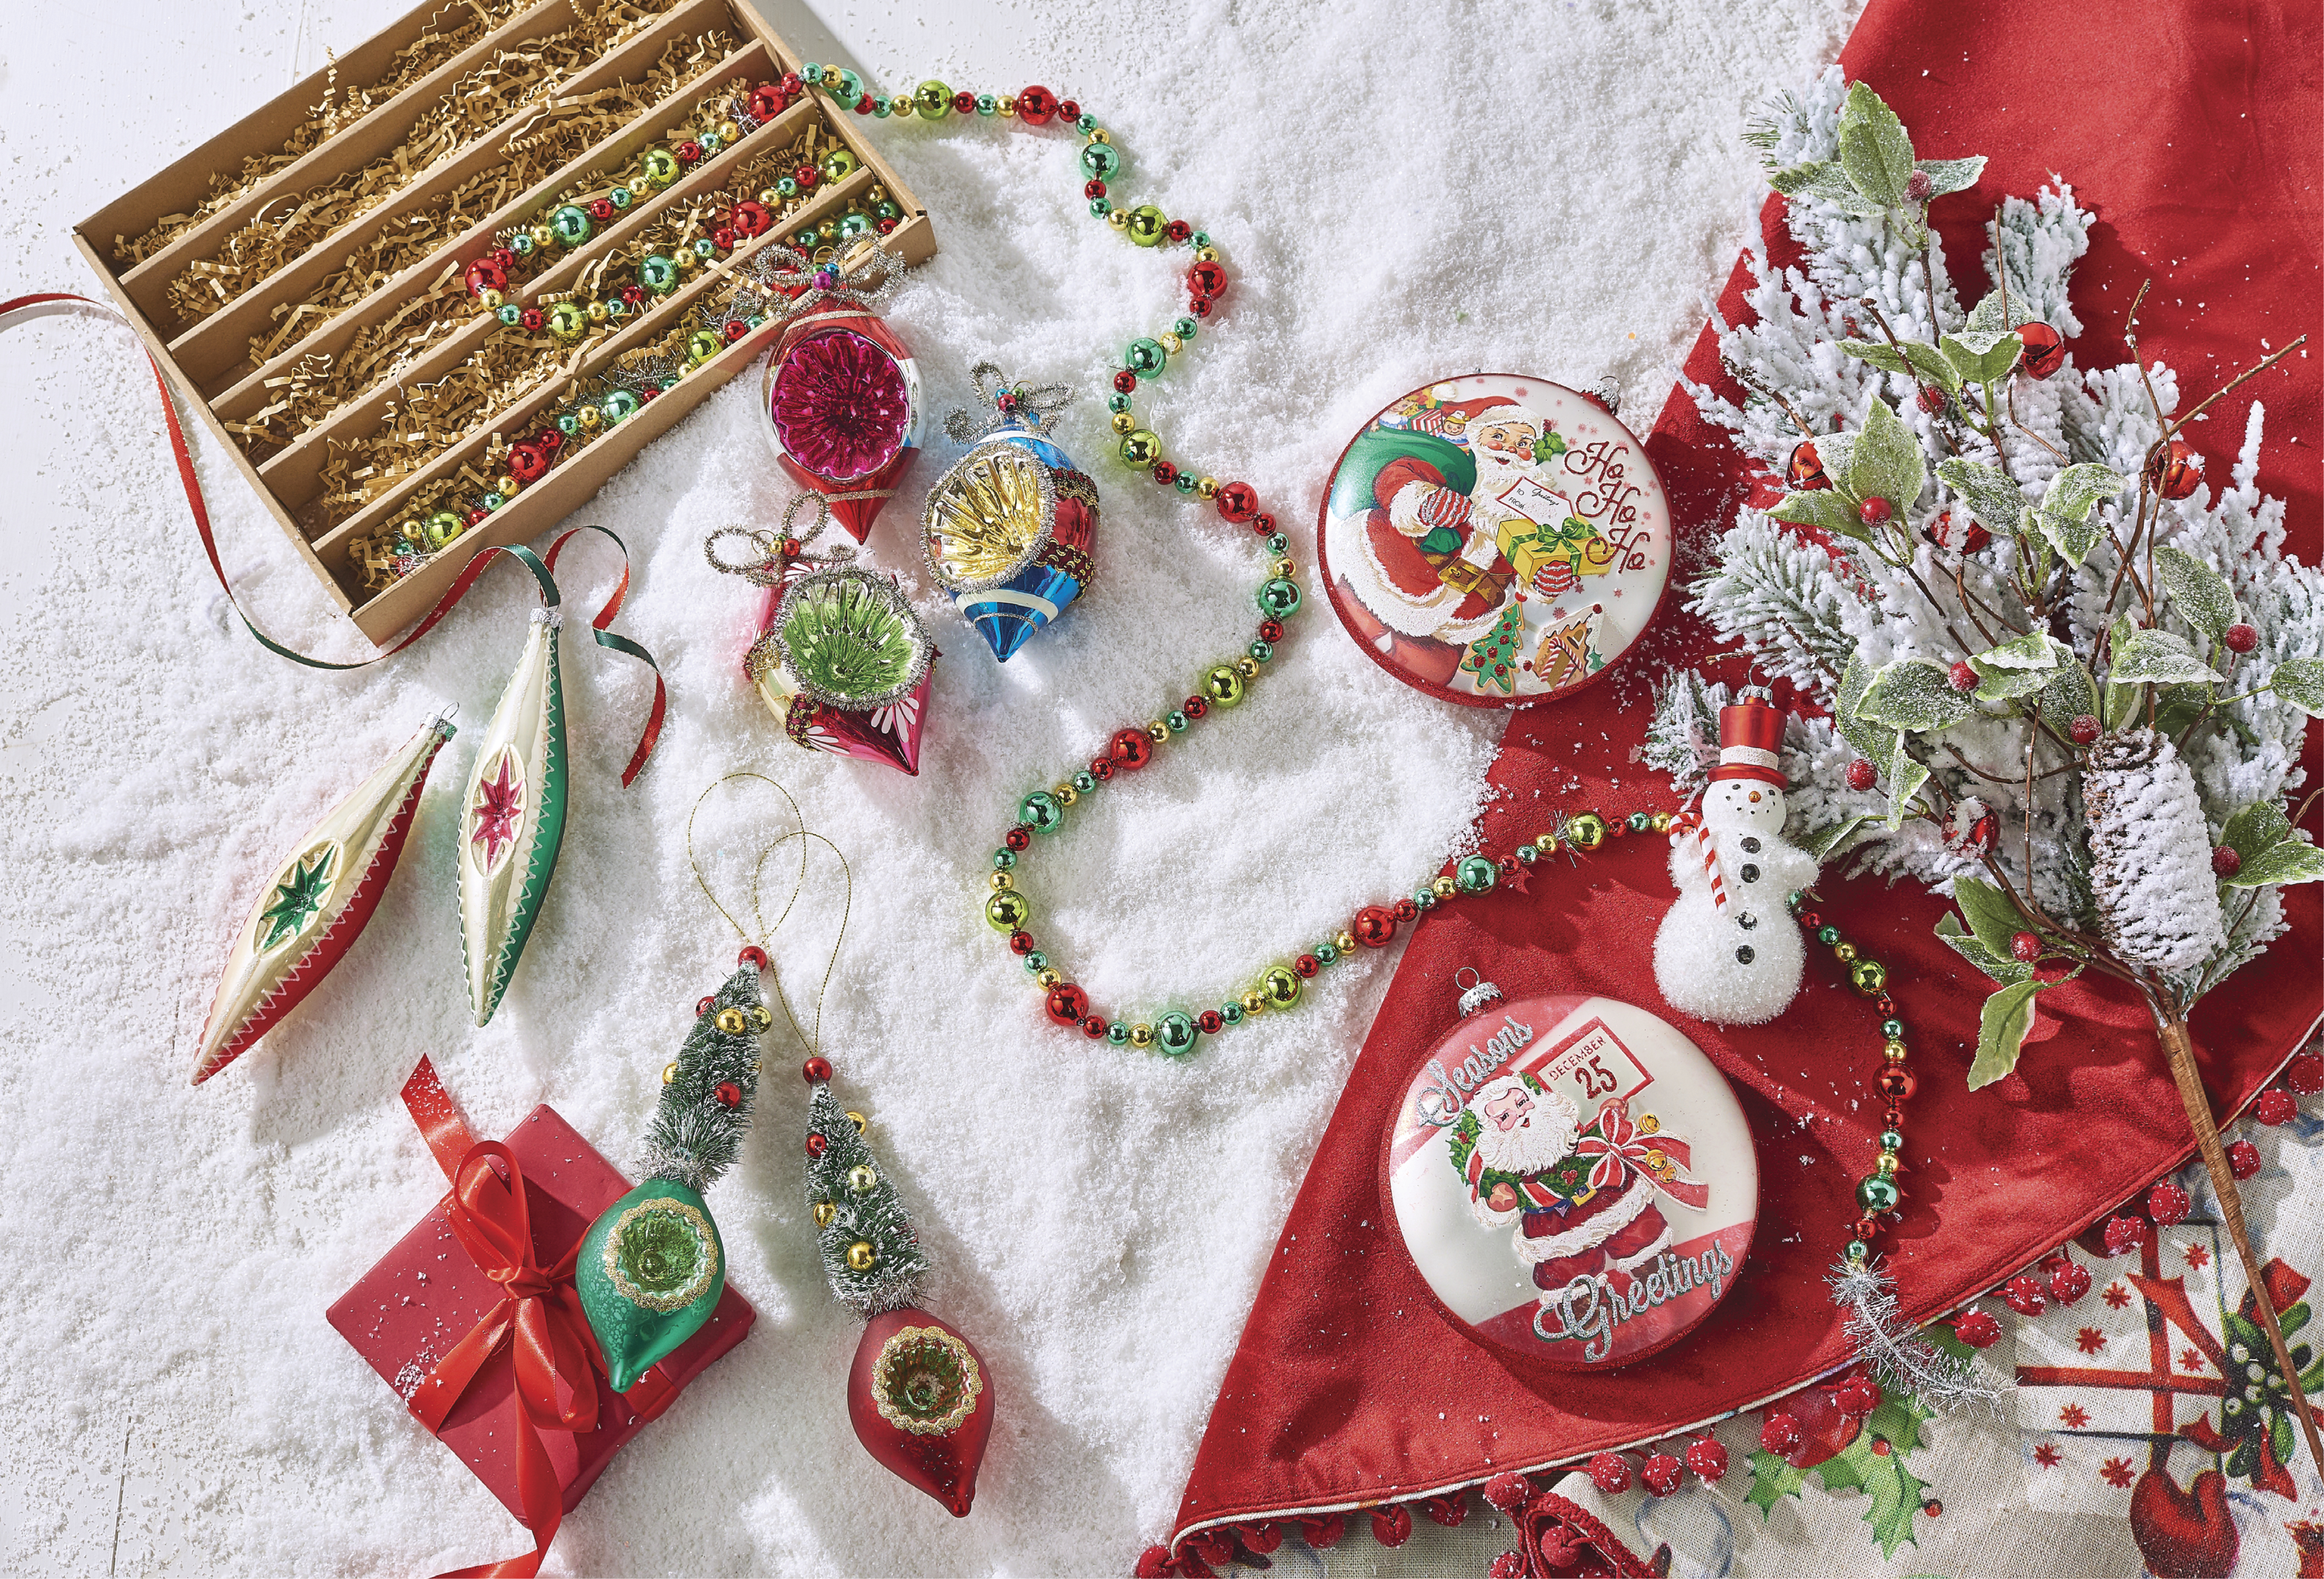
(1036, 963)
(885, 208)
(1231, 1011)
(657, 274)
(1183, 328)
(659, 166)
(619, 198)
(1527, 853)
(933, 100)
(787, 188)
(567, 423)
(1176, 721)
(1199, 239)
(1007, 911)
(1326, 953)
(758, 320)
(811, 73)
(1145, 357)
(710, 142)
(1893, 1029)
(616, 307)
(568, 321)
(1857, 1250)
(853, 224)
(1223, 685)
(1176, 1033)
(1476, 874)
(879, 110)
(521, 244)
(1640, 822)
(806, 240)
(851, 86)
(1085, 783)
(1098, 160)
(1183, 482)
(508, 312)
(1827, 936)
(1279, 545)
(1003, 859)
(1087, 126)
(619, 404)
(1118, 1034)
(1262, 651)
(1876, 1195)
(1145, 223)
(837, 165)
(1425, 898)
(986, 104)
(1100, 207)
(1279, 597)
(1141, 449)
(1795, 900)
(494, 501)
(1280, 986)
(1118, 403)
(1891, 1141)
(701, 346)
(1041, 812)
(705, 248)
(570, 225)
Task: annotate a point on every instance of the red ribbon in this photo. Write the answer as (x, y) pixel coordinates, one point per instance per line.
(459, 590)
(1620, 1145)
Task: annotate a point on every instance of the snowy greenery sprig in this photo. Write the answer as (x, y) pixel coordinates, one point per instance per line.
(2064, 682)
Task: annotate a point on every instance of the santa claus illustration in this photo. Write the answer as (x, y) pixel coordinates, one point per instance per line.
(1583, 1202)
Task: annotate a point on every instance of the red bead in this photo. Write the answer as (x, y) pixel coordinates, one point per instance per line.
(1404, 909)
(2243, 1159)
(1707, 1457)
(807, 177)
(1862, 775)
(815, 1071)
(1804, 470)
(766, 102)
(2045, 349)
(1101, 768)
(816, 1145)
(964, 103)
(736, 329)
(728, 1093)
(602, 211)
(1238, 502)
(1068, 1003)
(863, 105)
(703, 1006)
(1866, 1229)
(1270, 629)
(753, 956)
(2024, 1294)
(1961, 676)
(2125, 1233)
(1094, 1027)
(2069, 1281)
(477, 514)
(1093, 189)
(1508, 864)
(530, 320)
(1195, 706)
(1897, 1082)
(526, 462)
(2276, 1107)
(484, 275)
(1125, 381)
(1609, 1473)
(2226, 861)
(1780, 1435)
(1663, 1474)
(723, 238)
(1067, 111)
(503, 257)
(1811, 920)
(1018, 838)
(2305, 1073)
(1210, 1020)
(1976, 1328)
(1020, 942)
(688, 152)
(2025, 947)
(1307, 964)
(633, 294)
(1858, 1397)
(887, 227)
(2181, 471)
(1036, 105)
(1165, 472)
(1207, 278)
(1130, 748)
(1873, 511)
(549, 439)
(1176, 231)
(1200, 305)
(2085, 729)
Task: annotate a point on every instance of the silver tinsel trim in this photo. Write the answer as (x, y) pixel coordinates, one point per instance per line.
(1901, 1360)
(661, 1162)
(1034, 403)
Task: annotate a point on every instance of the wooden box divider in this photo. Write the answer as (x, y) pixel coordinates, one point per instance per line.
(248, 394)
(209, 361)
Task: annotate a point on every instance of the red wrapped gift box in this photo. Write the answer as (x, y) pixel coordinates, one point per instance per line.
(412, 1310)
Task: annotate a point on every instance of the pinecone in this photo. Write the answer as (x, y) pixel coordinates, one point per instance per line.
(2150, 853)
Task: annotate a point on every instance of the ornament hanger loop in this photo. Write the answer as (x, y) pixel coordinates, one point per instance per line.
(1476, 992)
(859, 284)
(1012, 404)
(802, 832)
(770, 550)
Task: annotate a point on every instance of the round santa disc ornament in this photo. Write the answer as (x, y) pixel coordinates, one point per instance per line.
(1574, 1180)
(1494, 539)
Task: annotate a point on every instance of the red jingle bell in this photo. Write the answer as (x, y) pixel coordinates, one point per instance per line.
(2180, 473)
(1130, 748)
(2045, 349)
(920, 1399)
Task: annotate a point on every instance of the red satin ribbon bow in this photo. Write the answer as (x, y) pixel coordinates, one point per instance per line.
(1620, 1145)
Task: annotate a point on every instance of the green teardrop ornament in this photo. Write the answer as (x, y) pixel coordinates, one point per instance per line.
(651, 1270)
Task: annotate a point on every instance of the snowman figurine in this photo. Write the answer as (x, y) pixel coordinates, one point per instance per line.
(1729, 951)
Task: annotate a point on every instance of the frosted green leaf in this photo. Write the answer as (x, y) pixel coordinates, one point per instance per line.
(2289, 861)
(2201, 594)
(1824, 508)
(2157, 657)
(2122, 704)
(1982, 356)
(2002, 968)
(1986, 317)
(1916, 695)
(1874, 743)
(1886, 462)
(2001, 1027)
(1905, 777)
(2068, 693)
(2261, 826)
(1826, 843)
(1915, 357)
(1952, 175)
(1824, 180)
(1991, 914)
(2300, 682)
(2068, 517)
(1875, 149)
(2018, 667)
(1992, 498)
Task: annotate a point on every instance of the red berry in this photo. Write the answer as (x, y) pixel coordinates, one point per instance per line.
(1507, 1491)
(2084, 730)
(2240, 638)
(2022, 1293)
(1780, 1435)
(1862, 775)
(2070, 1280)
(2167, 1204)
(1933, 397)
(2226, 861)
(1706, 1458)
(1663, 1474)
(1961, 676)
(1918, 186)
(2276, 1107)
(2026, 947)
(2045, 349)
(1858, 1397)
(815, 1071)
(1508, 1566)
(2305, 1073)
(2124, 1234)
(1873, 511)
(1977, 1329)
(2243, 1159)
(1609, 1473)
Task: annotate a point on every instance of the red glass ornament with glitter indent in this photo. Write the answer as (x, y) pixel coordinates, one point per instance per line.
(924, 1410)
(840, 401)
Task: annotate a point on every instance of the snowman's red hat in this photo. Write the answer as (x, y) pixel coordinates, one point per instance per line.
(1750, 737)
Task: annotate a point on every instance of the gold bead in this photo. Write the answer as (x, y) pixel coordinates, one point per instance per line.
(1206, 488)
(639, 186)
(1246, 667)
(1660, 822)
(597, 311)
(1345, 942)
(543, 238)
(1124, 422)
(862, 1179)
(1049, 978)
(824, 1211)
(731, 1021)
(860, 1256)
(1284, 568)
(1101, 135)
(1208, 255)
(1007, 104)
(491, 299)
(1066, 795)
(1844, 952)
(1887, 1164)
(1118, 219)
(588, 417)
(686, 261)
(1546, 844)
(1001, 880)
(1172, 344)
(669, 1073)
(1443, 887)
(1158, 731)
(1141, 1035)
(1253, 1002)
(770, 198)
(901, 105)
(728, 132)
(506, 484)
(1587, 831)
(1894, 1052)
(762, 1019)
(863, 1126)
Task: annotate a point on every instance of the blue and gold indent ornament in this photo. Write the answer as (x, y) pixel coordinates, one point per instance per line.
(1007, 529)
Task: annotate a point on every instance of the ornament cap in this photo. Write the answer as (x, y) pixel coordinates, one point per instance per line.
(1475, 992)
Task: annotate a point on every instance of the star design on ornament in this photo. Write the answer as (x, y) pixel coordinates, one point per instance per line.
(2117, 1296)
(2090, 1340)
(2198, 1257)
(2188, 1360)
(296, 899)
(500, 804)
(2047, 1455)
(2116, 1473)
(2074, 1417)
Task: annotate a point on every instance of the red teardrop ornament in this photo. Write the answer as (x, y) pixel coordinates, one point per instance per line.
(920, 1399)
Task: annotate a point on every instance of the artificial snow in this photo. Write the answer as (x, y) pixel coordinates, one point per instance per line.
(1098, 1218)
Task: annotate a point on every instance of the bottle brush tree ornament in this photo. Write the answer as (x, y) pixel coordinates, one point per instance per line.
(2081, 720)
(918, 1394)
